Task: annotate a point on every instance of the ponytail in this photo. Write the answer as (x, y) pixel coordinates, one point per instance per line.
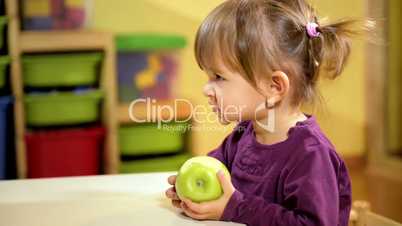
(336, 42)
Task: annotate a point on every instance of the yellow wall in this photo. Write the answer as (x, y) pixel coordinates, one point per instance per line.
(343, 118)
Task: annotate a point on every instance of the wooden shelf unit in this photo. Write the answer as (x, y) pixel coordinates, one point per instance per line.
(21, 42)
(113, 113)
(50, 41)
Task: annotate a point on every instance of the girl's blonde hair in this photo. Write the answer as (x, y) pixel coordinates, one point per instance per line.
(257, 37)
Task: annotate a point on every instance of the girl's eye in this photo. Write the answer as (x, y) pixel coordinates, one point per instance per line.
(218, 77)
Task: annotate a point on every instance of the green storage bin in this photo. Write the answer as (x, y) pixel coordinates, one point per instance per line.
(147, 138)
(140, 42)
(61, 69)
(3, 22)
(62, 108)
(4, 61)
(160, 164)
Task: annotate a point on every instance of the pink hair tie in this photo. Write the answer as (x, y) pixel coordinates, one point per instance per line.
(312, 30)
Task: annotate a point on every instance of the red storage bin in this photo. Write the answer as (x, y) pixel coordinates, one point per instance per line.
(71, 152)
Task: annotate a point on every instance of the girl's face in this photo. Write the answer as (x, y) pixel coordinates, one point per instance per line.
(231, 96)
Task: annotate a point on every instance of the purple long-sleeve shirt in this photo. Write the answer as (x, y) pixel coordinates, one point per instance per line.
(300, 181)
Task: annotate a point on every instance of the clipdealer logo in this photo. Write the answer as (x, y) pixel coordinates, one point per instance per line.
(162, 114)
(154, 111)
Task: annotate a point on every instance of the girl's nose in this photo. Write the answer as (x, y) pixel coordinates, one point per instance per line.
(208, 90)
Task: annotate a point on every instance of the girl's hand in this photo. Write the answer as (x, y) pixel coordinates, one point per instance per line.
(171, 192)
(211, 210)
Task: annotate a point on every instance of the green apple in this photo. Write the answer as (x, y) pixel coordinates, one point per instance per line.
(197, 179)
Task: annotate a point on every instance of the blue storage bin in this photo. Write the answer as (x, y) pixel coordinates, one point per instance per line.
(5, 136)
(54, 14)
(147, 65)
(145, 74)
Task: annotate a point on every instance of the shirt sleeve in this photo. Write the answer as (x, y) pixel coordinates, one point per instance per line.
(311, 197)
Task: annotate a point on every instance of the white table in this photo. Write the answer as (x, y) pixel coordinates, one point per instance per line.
(121, 200)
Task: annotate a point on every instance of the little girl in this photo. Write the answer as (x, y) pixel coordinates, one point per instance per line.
(264, 57)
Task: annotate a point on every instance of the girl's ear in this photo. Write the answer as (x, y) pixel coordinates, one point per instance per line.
(280, 82)
(278, 86)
